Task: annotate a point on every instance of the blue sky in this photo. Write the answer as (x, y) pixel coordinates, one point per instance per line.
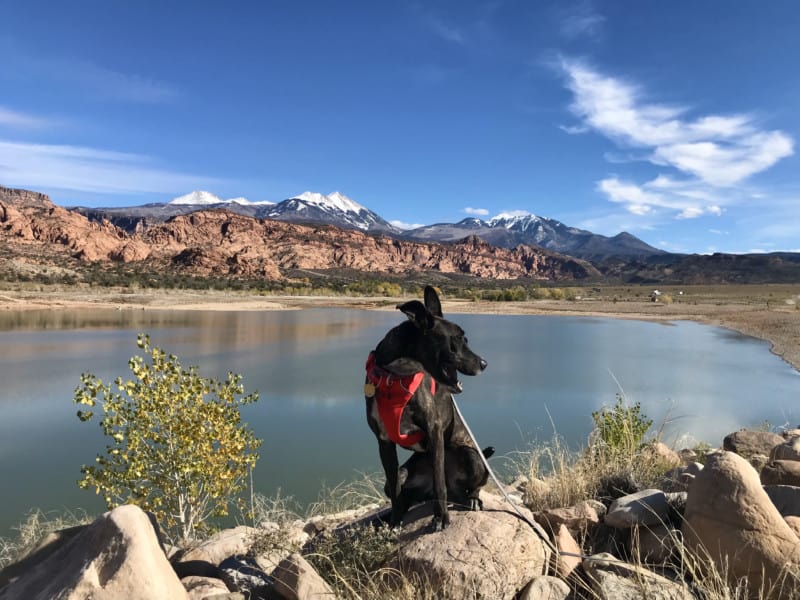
(675, 121)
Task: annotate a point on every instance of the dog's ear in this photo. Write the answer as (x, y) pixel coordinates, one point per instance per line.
(417, 313)
(432, 301)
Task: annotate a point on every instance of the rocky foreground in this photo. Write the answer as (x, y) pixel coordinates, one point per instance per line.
(708, 527)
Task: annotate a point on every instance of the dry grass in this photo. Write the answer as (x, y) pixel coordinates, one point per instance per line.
(36, 526)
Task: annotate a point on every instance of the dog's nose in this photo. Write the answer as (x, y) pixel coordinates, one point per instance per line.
(484, 364)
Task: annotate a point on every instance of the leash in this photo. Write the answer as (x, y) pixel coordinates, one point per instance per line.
(535, 526)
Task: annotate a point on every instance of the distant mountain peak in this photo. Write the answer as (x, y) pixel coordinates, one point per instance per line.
(204, 198)
(335, 200)
(197, 198)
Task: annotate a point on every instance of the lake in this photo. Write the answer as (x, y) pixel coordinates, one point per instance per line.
(544, 374)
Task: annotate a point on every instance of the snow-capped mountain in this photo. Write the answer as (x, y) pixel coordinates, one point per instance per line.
(203, 198)
(507, 230)
(333, 209)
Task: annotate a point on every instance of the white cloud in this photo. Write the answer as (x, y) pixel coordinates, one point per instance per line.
(13, 118)
(69, 74)
(715, 154)
(403, 225)
(90, 170)
(663, 194)
(581, 21)
(479, 212)
(447, 32)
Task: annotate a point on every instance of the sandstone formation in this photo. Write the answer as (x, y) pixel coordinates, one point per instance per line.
(223, 244)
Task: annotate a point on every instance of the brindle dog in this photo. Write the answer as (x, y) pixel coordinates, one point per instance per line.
(431, 344)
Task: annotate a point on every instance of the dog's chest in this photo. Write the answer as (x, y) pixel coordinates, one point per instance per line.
(407, 425)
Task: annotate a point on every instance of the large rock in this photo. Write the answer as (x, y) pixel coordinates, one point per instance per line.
(296, 579)
(221, 545)
(546, 588)
(786, 499)
(490, 554)
(746, 442)
(788, 450)
(730, 518)
(576, 518)
(781, 472)
(569, 552)
(648, 507)
(116, 557)
(613, 579)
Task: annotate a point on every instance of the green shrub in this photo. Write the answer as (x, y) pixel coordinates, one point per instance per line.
(621, 428)
(178, 447)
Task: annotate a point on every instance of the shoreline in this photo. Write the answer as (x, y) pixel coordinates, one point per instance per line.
(778, 324)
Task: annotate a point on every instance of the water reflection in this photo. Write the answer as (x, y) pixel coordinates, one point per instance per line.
(307, 366)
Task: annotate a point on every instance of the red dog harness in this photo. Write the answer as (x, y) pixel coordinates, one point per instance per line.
(392, 394)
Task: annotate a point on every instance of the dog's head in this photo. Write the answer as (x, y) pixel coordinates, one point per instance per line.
(438, 344)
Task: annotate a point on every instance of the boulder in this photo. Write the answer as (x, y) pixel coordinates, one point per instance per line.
(662, 453)
(242, 574)
(648, 507)
(781, 472)
(785, 498)
(788, 450)
(281, 540)
(655, 544)
(117, 556)
(576, 518)
(490, 554)
(613, 579)
(200, 588)
(569, 552)
(546, 588)
(746, 442)
(680, 478)
(221, 545)
(794, 523)
(730, 519)
(296, 579)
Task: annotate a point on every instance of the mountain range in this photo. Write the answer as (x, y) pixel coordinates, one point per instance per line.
(505, 230)
(336, 241)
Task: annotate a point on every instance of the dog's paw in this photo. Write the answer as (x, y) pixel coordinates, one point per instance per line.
(476, 504)
(439, 524)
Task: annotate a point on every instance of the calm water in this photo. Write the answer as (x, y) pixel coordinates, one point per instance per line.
(544, 373)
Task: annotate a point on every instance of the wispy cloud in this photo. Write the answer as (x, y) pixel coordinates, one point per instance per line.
(580, 20)
(91, 170)
(445, 31)
(715, 154)
(87, 78)
(478, 212)
(16, 119)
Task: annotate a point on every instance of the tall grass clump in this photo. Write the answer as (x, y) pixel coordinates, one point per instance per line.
(615, 462)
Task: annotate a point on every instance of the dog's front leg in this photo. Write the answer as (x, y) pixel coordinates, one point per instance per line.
(441, 518)
(388, 454)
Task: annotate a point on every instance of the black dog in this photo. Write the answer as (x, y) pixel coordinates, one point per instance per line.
(410, 377)
(465, 475)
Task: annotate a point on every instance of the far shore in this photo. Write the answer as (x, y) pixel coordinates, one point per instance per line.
(776, 319)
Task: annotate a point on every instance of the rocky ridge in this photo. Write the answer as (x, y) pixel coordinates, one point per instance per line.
(223, 243)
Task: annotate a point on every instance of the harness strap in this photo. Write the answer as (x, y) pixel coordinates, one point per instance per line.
(392, 394)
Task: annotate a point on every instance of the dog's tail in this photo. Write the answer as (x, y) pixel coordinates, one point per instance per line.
(488, 451)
